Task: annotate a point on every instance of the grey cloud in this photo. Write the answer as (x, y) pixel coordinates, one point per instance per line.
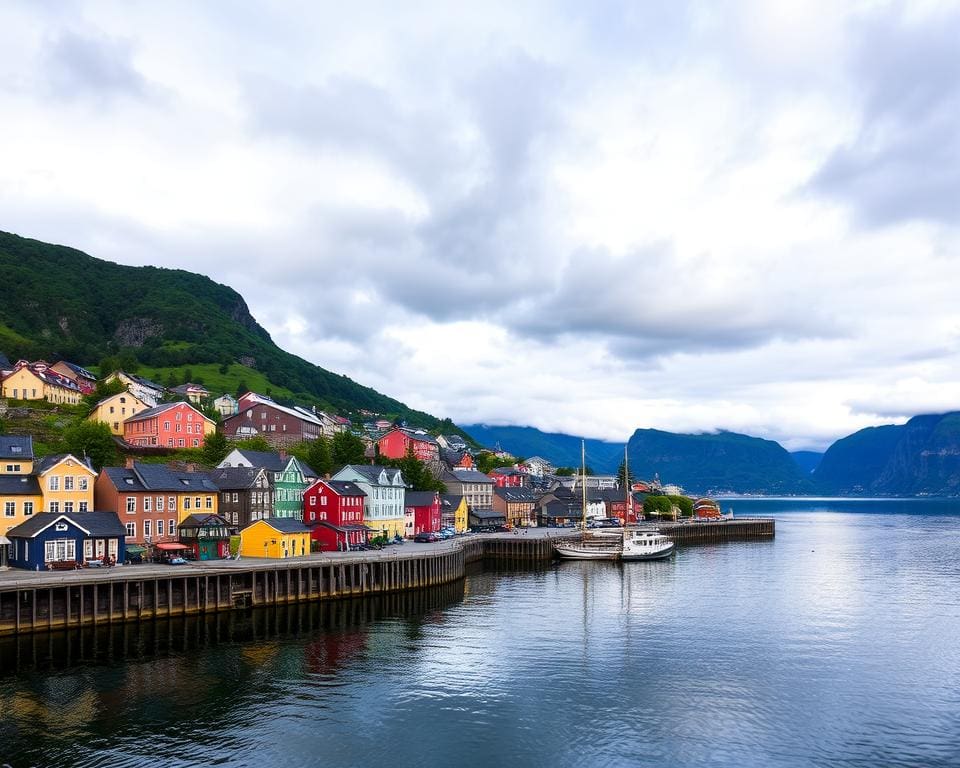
(904, 163)
(83, 66)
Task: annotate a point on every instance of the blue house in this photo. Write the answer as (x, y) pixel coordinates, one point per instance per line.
(54, 540)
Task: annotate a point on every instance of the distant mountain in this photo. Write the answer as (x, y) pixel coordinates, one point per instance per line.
(921, 457)
(806, 460)
(61, 303)
(713, 463)
(561, 450)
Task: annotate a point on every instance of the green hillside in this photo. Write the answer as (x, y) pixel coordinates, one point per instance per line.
(61, 303)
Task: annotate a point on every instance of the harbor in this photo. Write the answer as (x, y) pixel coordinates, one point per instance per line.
(40, 601)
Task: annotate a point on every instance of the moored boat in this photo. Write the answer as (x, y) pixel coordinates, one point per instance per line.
(646, 544)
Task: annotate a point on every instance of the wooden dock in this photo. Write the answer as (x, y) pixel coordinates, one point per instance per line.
(709, 532)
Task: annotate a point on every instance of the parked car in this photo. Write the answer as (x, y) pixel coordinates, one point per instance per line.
(426, 537)
(176, 561)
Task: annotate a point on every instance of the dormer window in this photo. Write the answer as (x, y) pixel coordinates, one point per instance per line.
(16, 449)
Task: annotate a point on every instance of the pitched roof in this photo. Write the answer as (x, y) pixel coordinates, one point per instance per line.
(16, 447)
(486, 514)
(19, 485)
(156, 411)
(269, 460)
(199, 520)
(48, 462)
(157, 477)
(371, 472)
(79, 370)
(284, 524)
(450, 500)
(345, 488)
(470, 476)
(235, 478)
(252, 398)
(419, 498)
(142, 381)
(516, 494)
(95, 523)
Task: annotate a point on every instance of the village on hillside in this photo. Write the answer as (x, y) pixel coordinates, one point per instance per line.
(192, 474)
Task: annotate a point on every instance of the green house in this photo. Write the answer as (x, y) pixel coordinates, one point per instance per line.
(289, 478)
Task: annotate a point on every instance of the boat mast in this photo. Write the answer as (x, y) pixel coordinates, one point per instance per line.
(626, 483)
(583, 484)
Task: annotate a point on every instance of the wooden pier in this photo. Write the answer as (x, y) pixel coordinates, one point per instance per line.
(34, 602)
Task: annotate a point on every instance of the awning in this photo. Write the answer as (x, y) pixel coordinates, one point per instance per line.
(135, 549)
(171, 546)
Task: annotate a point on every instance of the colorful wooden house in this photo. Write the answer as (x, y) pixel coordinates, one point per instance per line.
(194, 393)
(453, 512)
(16, 454)
(116, 409)
(288, 475)
(207, 536)
(85, 380)
(49, 540)
(517, 505)
(246, 494)
(279, 425)
(143, 389)
(20, 499)
(151, 499)
(66, 483)
(508, 477)
(398, 442)
(226, 405)
(333, 510)
(171, 425)
(36, 381)
(384, 490)
(276, 537)
(425, 508)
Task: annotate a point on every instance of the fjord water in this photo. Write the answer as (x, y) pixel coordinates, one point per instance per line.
(836, 644)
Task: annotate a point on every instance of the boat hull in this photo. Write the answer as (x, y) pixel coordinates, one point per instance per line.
(567, 552)
(663, 554)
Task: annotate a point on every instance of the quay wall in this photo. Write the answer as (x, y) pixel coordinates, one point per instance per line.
(35, 602)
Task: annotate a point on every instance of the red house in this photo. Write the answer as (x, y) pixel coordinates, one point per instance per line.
(508, 477)
(425, 506)
(172, 425)
(396, 443)
(333, 510)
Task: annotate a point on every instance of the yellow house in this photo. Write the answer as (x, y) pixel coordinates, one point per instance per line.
(16, 455)
(35, 381)
(116, 409)
(20, 498)
(453, 511)
(276, 537)
(66, 483)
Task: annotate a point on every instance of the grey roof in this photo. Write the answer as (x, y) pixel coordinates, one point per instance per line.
(284, 524)
(345, 488)
(450, 500)
(157, 477)
(561, 509)
(419, 498)
(372, 471)
(269, 460)
(96, 523)
(486, 514)
(16, 447)
(79, 370)
(516, 494)
(144, 382)
(19, 485)
(235, 478)
(42, 465)
(198, 521)
(308, 471)
(470, 476)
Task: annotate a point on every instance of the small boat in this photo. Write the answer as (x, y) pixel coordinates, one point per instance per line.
(646, 544)
(590, 548)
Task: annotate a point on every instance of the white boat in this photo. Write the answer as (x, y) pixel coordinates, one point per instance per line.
(590, 548)
(646, 544)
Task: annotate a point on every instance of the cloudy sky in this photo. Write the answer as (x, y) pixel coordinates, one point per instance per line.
(585, 217)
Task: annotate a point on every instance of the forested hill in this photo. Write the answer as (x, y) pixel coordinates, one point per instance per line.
(559, 449)
(61, 303)
(921, 457)
(716, 462)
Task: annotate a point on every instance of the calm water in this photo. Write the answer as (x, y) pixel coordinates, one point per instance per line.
(837, 644)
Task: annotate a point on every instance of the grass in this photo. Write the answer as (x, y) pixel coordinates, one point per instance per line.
(219, 383)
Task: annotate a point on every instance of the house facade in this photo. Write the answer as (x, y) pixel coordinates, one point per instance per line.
(275, 537)
(171, 425)
(226, 405)
(50, 538)
(454, 512)
(424, 508)
(16, 454)
(384, 493)
(194, 393)
(508, 477)
(397, 442)
(146, 391)
(517, 505)
(86, 382)
(151, 500)
(280, 426)
(36, 381)
(116, 409)
(474, 486)
(333, 510)
(289, 477)
(66, 483)
(246, 494)
(207, 536)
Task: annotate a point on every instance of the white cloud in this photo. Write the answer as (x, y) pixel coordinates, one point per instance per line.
(586, 218)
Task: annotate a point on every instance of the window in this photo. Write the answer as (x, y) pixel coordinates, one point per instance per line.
(10, 508)
(68, 483)
(179, 427)
(172, 526)
(189, 429)
(236, 497)
(159, 503)
(147, 529)
(226, 497)
(159, 527)
(146, 507)
(83, 483)
(196, 442)
(131, 530)
(87, 549)
(68, 507)
(55, 507)
(53, 483)
(323, 501)
(196, 503)
(111, 409)
(59, 550)
(27, 508)
(13, 467)
(83, 507)
(171, 504)
(180, 443)
(186, 502)
(209, 502)
(166, 426)
(169, 442)
(131, 504)
(177, 417)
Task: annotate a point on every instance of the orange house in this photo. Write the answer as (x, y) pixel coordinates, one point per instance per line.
(172, 425)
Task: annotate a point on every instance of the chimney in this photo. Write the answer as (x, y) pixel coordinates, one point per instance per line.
(326, 476)
(129, 462)
(191, 467)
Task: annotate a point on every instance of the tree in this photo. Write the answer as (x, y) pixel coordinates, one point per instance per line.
(215, 448)
(91, 439)
(564, 472)
(624, 482)
(347, 448)
(242, 389)
(416, 474)
(320, 457)
(487, 461)
(258, 443)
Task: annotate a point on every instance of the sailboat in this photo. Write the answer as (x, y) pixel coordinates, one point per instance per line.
(630, 545)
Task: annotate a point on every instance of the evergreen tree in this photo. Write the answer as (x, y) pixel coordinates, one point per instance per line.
(624, 482)
(347, 448)
(215, 448)
(92, 439)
